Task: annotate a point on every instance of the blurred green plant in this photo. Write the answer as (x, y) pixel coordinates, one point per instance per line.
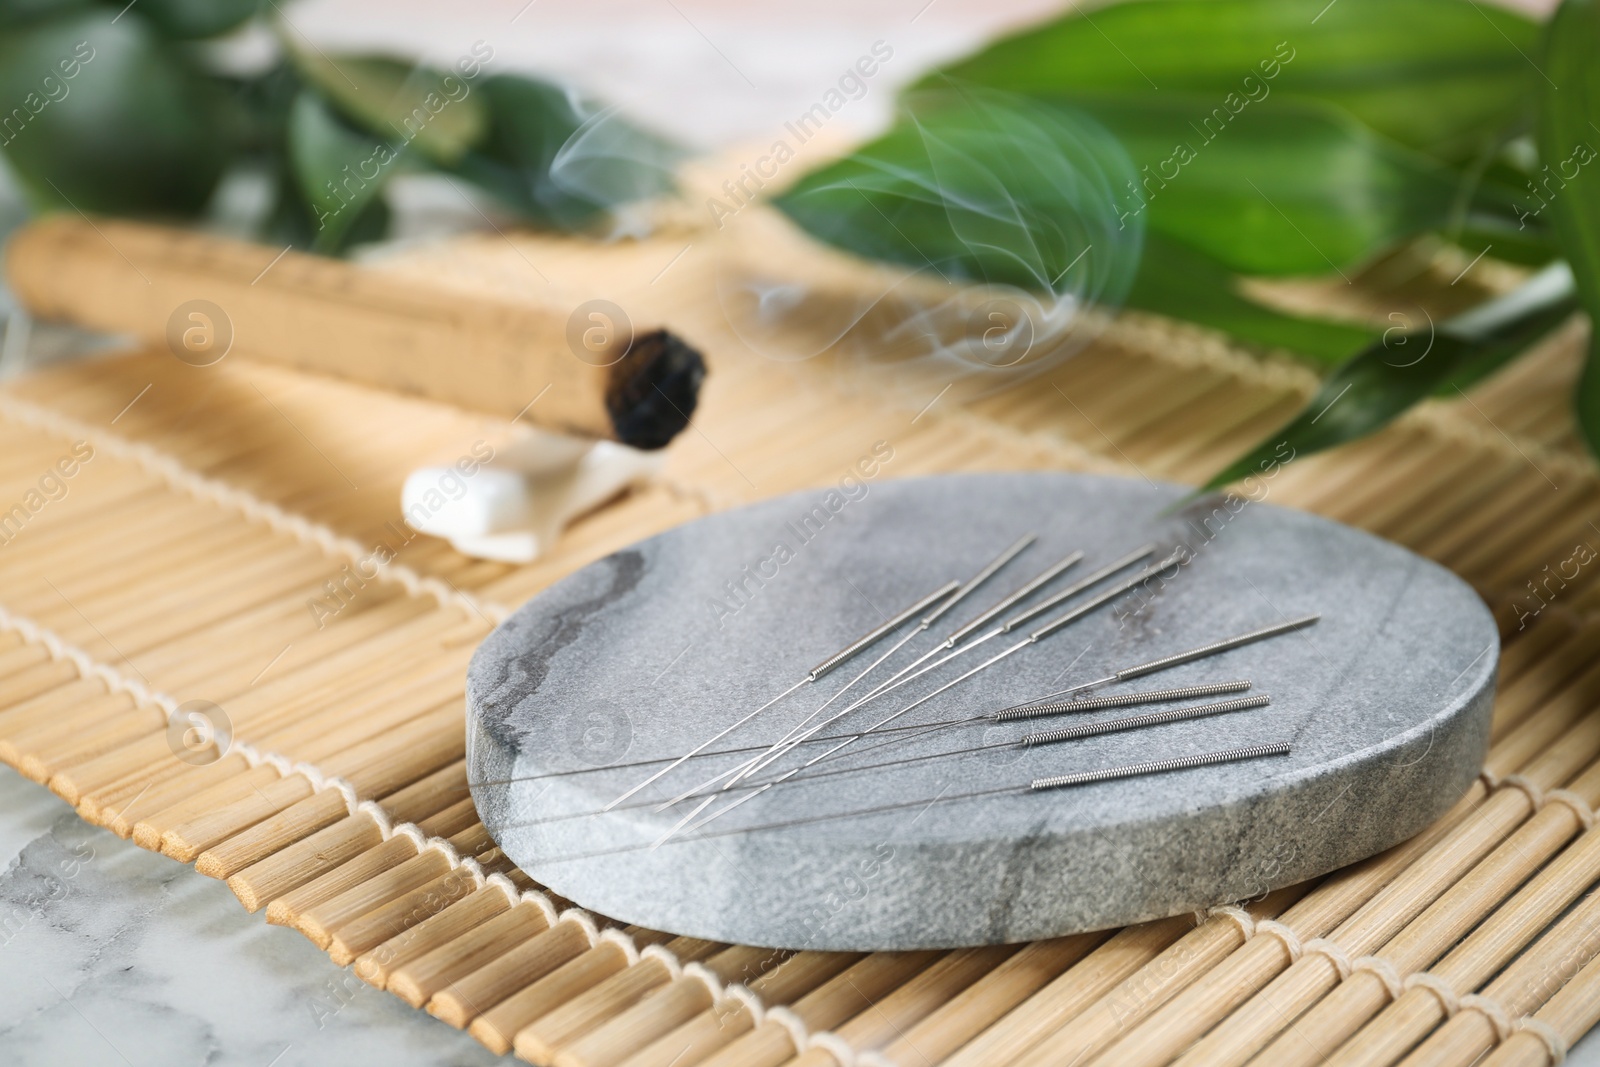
(1287, 138)
(129, 109)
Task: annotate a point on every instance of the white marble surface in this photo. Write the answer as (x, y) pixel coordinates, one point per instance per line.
(113, 955)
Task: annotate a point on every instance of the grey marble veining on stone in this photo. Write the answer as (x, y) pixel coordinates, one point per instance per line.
(650, 651)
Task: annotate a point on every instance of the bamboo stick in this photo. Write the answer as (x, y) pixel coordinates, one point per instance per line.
(587, 969)
(992, 997)
(843, 997)
(223, 790)
(1554, 672)
(1569, 1014)
(666, 1009)
(19, 654)
(914, 1001)
(475, 993)
(129, 769)
(1454, 499)
(1526, 983)
(128, 723)
(1491, 946)
(387, 920)
(693, 1041)
(1192, 1011)
(377, 965)
(1346, 1004)
(1535, 642)
(414, 802)
(417, 981)
(99, 722)
(1137, 970)
(544, 1038)
(185, 841)
(306, 860)
(318, 921)
(286, 909)
(421, 800)
(296, 822)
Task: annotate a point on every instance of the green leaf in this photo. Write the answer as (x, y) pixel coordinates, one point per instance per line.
(440, 113)
(1281, 187)
(17, 12)
(1179, 282)
(985, 190)
(1441, 76)
(290, 220)
(340, 171)
(560, 162)
(1569, 110)
(261, 104)
(105, 117)
(198, 18)
(1401, 368)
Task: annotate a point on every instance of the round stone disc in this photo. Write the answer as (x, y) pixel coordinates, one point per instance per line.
(649, 652)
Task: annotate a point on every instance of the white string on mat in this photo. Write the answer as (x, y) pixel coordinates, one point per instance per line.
(799, 1033)
(1240, 917)
(1491, 1010)
(833, 1045)
(1384, 971)
(1540, 798)
(1577, 804)
(1333, 951)
(751, 1002)
(1289, 939)
(1442, 991)
(1522, 782)
(1317, 946)
(175, 474)
(88, 667)
(665, 958)
(1554, 1044)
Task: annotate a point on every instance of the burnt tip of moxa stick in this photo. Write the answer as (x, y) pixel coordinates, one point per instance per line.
(653, 389)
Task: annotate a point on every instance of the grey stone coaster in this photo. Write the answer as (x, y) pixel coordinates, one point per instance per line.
(647, 653)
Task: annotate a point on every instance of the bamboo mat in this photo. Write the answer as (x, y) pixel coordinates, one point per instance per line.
(219, 502)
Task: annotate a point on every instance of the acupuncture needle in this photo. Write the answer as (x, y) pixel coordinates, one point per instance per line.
(1120, 700)
(1039, 738)
(1024, 591)
(1072, 615)
(1029, 709)
(753, 764)
(903, 676)
(1037, 785)
(1116, 591)
(1051, 627)
(789, 740)
(816, 672)
(988, 571)
(1216, 647)
(1035, 707)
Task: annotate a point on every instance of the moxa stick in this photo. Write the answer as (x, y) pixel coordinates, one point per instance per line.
(581, 369)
